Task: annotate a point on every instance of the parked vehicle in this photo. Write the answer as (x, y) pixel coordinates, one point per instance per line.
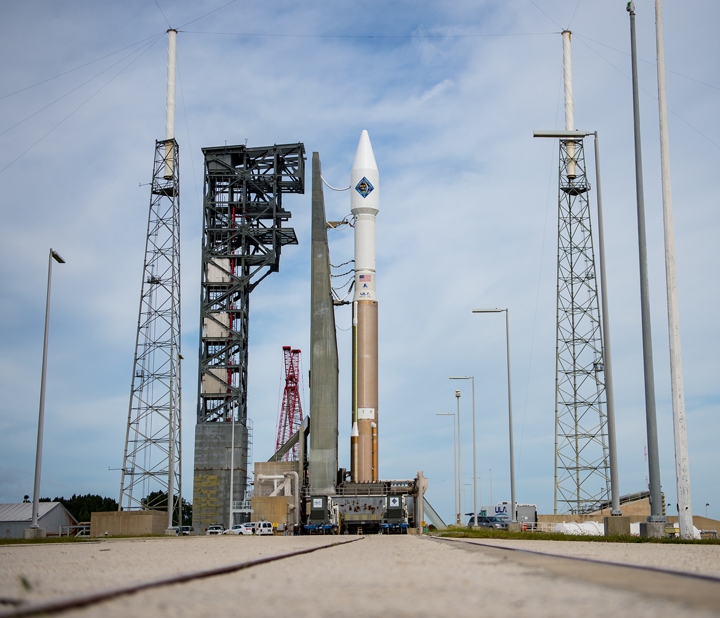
(488, 522)
(323, 515)
(525, 514)
(264, 528)
(186, 530)
(395, 516)
(236, 529)
(215, 529)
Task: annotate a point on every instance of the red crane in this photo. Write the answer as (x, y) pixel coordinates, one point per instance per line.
(291, 411)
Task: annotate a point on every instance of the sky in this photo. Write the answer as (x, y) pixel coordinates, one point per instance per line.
(450, 94)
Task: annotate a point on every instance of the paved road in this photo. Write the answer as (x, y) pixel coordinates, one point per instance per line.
(373, 576)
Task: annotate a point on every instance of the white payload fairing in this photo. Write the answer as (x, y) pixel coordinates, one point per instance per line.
(364, 205)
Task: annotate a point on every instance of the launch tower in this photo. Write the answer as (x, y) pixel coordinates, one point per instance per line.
(243, 236)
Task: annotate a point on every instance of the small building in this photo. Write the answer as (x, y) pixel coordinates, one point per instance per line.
(15, 518)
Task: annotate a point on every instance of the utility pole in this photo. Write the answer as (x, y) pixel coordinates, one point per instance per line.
(656, 522)
(682, 467)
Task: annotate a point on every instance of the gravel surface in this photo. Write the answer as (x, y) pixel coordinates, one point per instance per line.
(698, 559)
(374, 576)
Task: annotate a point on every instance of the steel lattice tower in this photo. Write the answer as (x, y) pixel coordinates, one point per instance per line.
(291, 411)
(242, 240)
(243, 236)
(152, 458)
(581, 455)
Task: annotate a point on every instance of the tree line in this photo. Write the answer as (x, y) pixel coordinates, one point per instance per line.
(81, 507)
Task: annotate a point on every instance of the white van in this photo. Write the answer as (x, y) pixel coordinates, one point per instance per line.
(264, 527)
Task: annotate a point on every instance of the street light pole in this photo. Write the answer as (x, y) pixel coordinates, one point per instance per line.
(513, 517)
(459, 517)
(656, 516)
(491, 496)
(475, 510)
(455, 487)
(609, 393)
(41, 420)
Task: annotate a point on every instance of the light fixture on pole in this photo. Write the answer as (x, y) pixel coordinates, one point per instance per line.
(455, 487)
(459, 517)
(54, 255)
(475, 509)
(513, 515)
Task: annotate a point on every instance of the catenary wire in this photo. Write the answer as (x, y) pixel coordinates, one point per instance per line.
(537, 295)
(187, 129)
(653, 96)
(571, 19)
(22, 154)
(370, 36)
(620, 51)
(42, 109)
(82, 66)
(209, 13)
(162, 13)
(544, 13)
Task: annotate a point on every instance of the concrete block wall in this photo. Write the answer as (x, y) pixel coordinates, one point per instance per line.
(128, 523)
(211, 478)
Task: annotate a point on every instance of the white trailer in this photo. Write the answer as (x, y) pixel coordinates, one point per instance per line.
(525, 513)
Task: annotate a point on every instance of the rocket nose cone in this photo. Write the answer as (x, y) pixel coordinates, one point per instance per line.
(355, 432)
(364, 157)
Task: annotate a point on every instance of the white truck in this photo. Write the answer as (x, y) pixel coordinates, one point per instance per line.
(526, 513)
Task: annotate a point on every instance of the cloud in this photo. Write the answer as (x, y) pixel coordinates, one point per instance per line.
(467, 219)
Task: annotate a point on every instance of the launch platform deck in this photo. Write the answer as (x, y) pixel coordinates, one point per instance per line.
(366, 576)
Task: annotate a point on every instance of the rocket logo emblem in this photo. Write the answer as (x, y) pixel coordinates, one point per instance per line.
(364, 187)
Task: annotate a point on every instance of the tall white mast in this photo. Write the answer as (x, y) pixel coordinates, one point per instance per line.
(682, 466)
(569, 103)
(170, 102)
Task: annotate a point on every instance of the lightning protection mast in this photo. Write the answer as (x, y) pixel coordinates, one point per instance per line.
(581, 454)
(152, 460)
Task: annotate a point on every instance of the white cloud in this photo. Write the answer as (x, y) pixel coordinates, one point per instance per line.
(465, 218)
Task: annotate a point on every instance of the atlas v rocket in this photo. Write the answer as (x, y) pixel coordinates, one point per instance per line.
(364, 205)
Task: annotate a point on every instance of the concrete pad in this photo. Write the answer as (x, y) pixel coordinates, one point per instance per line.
(617, 525)
(691, 559)
(374, 576)
(652, 529)
(61, 569)
(396, 576)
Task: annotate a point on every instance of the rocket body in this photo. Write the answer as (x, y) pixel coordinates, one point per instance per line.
(364, 205)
